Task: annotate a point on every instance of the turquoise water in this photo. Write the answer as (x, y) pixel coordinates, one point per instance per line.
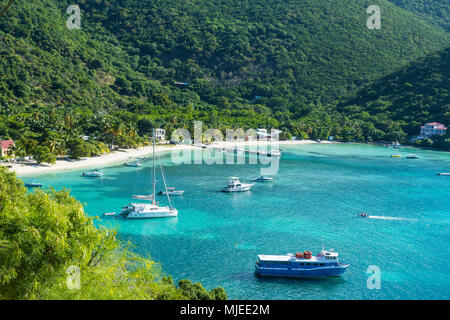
(316, 195)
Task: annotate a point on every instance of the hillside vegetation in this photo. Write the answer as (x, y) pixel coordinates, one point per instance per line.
(45, 235)
(435, 11)
(249, 64)
(417, 94)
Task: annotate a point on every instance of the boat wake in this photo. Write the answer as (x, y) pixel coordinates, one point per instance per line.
(390, 218)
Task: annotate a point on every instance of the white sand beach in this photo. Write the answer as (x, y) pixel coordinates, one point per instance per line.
(127, 155)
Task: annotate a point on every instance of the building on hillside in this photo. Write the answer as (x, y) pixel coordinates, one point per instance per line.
(6, 145)
(432, 129)
(160, 134)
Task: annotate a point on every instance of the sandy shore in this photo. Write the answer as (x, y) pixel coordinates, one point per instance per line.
(105, 160)
(120, 156)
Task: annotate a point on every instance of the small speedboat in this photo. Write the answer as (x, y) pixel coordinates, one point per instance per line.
(263, 179)
(33, 184)
(443, 174)
(109, 214)
(132, 164)
(143, 197)
(235, 185)
(93, 173)
(171, 192)
(412, 156)
(363, 215)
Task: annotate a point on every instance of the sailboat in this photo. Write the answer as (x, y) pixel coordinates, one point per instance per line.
(150, 210)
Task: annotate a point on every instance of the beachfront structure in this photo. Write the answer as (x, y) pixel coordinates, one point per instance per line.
(432, 129)
(262, 134)
(160, 134)
(5, 146)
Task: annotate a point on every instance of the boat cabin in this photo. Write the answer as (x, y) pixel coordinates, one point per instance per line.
(299, 260)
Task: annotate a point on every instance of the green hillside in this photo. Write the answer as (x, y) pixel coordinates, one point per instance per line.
(435, 11)
(247, 64)
(415, 95)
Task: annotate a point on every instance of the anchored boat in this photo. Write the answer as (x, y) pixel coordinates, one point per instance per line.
(142, 196)
(93, 173)
(263, 179)
(33, 184)
(301, 265)
(132, 164)
(171, 192)
(235, 185)
(150, 210)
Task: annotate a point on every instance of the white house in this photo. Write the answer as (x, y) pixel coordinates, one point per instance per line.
(160, 134)
(432, 129)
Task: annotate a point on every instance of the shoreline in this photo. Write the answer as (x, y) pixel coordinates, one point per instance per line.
(124, 155)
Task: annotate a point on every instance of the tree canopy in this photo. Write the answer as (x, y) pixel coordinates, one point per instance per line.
(43, 233)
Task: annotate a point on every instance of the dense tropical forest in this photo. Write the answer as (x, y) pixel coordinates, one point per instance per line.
(436, 12)
(45, 234)
(310, 68)
(135, 65)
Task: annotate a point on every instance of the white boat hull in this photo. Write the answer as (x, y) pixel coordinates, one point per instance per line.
(152, 215)
(143, 197)
(171, 193)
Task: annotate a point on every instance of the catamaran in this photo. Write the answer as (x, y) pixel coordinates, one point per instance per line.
(150, 210)
(235, 185)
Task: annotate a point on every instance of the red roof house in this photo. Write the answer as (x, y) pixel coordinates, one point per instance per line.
(5, 146)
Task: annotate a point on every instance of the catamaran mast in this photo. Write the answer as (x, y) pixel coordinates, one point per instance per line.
(154, 169)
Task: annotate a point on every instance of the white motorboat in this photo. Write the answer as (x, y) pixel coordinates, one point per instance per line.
(274, 153)
(171, 192)
(150, 210)
(109, 214)
(132, 164)
(263, 179)
(235, 185)
(444, 174)
(142, 196)
(92, 173)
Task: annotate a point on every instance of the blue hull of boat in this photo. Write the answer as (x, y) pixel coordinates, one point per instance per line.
(334, 271)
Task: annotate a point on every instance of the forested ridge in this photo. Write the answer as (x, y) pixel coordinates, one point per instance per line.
(435, 11)
(135, 65)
